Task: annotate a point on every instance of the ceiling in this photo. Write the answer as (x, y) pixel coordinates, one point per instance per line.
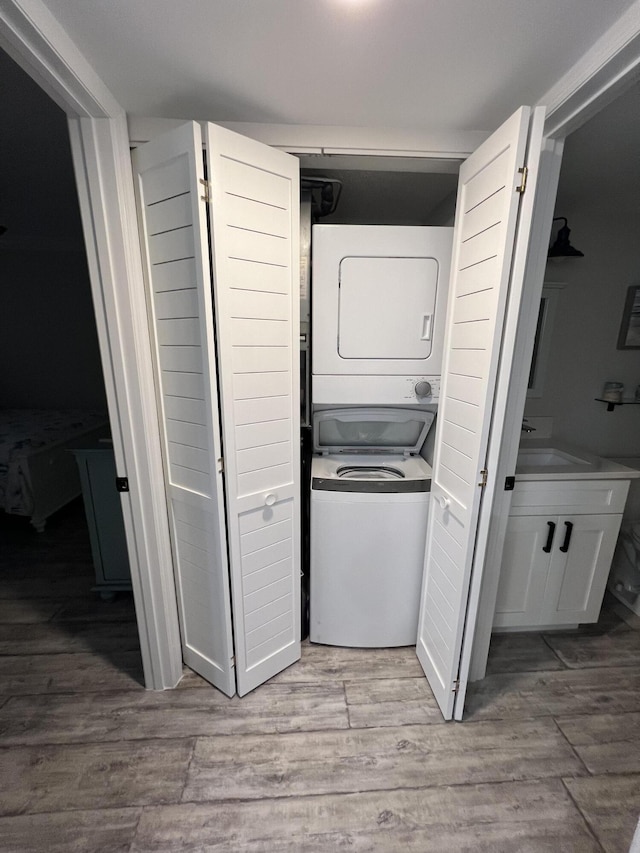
(37, 192)
(454, 65)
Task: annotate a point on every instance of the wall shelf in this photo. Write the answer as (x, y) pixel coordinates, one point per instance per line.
(630, 401)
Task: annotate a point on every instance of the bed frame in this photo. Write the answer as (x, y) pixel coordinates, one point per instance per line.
(53, 475)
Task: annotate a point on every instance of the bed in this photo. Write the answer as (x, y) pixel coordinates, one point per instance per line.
(38, 474)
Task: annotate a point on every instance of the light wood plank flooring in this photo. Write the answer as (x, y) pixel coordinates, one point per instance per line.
(345, 750)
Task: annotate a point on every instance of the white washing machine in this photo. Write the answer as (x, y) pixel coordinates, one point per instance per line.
(379, 303)
(369, 511)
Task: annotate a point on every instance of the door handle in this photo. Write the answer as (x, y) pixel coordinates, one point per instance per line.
(552, 530)
(427, 321)
(270, 500)
(445, 503)
(567, 537)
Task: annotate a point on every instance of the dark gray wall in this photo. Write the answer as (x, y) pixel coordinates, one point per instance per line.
(598, 193)
(48, 346)
(49, 355)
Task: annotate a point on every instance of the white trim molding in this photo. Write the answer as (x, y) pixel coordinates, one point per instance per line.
(108, 213)
(99, 138)
(611, 65)
(326, 139)
(35, 40)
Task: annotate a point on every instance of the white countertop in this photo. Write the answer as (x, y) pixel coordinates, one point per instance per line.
(595, 467)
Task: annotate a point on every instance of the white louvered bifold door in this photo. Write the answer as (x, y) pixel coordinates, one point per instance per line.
(255, 249)
(484, 238)
(173, 225)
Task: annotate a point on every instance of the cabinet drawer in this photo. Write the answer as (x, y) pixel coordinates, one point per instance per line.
(568, 497)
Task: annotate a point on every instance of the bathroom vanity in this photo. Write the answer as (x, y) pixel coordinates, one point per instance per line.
(563, 526)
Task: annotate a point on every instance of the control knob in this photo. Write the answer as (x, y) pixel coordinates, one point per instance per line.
(422, 389)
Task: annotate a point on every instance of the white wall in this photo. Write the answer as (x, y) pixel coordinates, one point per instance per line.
(598, 193)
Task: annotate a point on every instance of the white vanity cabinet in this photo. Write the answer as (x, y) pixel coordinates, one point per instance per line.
(560, 540)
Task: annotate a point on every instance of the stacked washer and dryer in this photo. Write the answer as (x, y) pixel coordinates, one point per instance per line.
(379, 298)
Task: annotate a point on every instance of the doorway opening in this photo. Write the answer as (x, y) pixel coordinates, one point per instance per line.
(61, 571)
(577, 353)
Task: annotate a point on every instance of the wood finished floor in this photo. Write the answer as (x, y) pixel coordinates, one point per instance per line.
(345, 750)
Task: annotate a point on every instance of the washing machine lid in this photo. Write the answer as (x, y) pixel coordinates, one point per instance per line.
(370, 430)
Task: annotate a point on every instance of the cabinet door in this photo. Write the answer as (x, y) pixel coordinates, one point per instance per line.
(580, 563)
(525, 566)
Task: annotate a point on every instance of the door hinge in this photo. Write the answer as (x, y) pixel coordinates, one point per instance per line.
(207, 190)
(509, 484)
(122, 484)
(524, 171)
(483, 480)
(456, 686)
(221, 465)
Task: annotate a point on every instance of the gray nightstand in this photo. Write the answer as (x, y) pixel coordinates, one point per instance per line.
(104, 517)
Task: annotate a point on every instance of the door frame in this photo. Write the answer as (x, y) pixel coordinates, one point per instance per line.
(32, 36)
(100, 151)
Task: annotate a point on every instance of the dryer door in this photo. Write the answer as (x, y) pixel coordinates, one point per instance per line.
(386, 308)
(379, 302)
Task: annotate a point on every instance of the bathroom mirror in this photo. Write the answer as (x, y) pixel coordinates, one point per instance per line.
(629, 337)
(542, 342)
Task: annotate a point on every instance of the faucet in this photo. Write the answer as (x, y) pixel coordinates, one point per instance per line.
(526, 427)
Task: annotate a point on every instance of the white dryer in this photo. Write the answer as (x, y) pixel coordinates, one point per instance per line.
(369, 511)
(379, 301)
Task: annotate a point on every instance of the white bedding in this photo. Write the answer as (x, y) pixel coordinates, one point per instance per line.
(25, 432)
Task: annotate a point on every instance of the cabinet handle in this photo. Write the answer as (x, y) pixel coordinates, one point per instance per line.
(567, 537)
(552, 530)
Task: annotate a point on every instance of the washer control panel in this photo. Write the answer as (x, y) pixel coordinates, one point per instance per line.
(422, 389)
(375, 390)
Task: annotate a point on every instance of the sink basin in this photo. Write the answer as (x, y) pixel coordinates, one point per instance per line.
(545, 457)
